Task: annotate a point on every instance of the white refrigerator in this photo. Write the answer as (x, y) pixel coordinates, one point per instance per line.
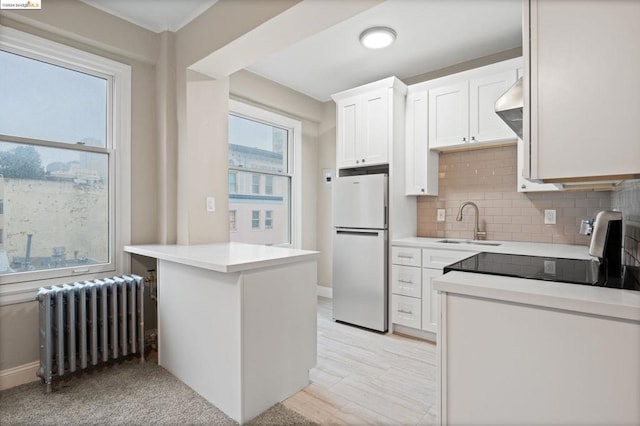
(360, 288)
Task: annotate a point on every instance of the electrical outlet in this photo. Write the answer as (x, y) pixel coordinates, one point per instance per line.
(211, 204)
(441, 215)
(550, 267)
(549, 217)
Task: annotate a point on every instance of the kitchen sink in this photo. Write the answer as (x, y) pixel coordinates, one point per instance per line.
(474, 242)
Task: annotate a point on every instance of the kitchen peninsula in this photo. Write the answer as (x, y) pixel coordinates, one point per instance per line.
(236, 322)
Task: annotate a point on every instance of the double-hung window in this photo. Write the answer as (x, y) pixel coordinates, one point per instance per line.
(264, 161)
(64, 141)
(255, 219)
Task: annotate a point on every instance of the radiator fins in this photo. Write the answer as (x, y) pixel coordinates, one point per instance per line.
(88, 323)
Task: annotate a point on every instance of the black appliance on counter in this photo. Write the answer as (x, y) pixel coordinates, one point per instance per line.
(607, 271)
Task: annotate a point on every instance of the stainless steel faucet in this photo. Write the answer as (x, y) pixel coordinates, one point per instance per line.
(477, 234)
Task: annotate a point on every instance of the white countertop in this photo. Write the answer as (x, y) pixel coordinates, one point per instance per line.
(224, 257)
(610, 302)
(565, 251)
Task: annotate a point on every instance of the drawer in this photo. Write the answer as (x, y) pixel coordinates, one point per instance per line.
(406, 280)
(438, 259)
(409, 256)
(406, 310)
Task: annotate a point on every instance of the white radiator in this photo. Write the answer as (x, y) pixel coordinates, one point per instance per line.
(87, 323)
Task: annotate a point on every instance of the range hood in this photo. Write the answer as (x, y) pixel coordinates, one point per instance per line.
(509, 107)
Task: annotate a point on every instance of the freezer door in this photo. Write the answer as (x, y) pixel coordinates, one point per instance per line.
(360, 277)
(360, 202)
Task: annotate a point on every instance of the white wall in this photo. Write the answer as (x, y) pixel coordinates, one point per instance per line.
(326, 160)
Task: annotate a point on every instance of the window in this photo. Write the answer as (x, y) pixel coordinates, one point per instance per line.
(233, 183)
(255, 184)
(63, 113)
(255, 219)
(264, 149)
(232, 221)
(268, 219)
(268, 185)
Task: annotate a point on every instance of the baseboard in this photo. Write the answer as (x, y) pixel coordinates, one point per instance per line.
(413, 332)
(323, 291)
(19, 375)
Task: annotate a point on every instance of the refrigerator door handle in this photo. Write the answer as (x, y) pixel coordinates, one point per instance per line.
(362, 233)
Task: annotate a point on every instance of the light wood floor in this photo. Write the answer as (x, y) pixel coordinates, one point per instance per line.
(364, 377)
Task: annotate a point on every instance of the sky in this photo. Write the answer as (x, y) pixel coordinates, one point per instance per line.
(250, 133)
(51, 103)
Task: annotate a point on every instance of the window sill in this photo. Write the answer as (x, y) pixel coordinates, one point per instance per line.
(23, 292)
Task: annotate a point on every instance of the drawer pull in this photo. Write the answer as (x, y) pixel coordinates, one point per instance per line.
(402, 311)
(405, 256)
(405, 281)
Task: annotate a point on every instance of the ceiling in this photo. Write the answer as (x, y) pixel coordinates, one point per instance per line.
(155, 15)
(432, 34)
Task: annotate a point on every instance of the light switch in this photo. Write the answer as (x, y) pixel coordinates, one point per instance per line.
(211, 204)
(549, 217)
(441, 215)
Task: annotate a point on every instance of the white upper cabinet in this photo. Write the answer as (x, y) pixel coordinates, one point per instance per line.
(462, 107)
(421, 164)
(364, 123)
(582, 96)
(374, 144)
(449, 115)
(484, 124)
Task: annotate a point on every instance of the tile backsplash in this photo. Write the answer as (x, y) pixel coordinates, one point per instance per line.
(627, 199)
(488, 178)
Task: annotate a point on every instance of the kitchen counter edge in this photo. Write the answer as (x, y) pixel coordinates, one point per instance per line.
(565, 251)
(224, 257)
(602, 301)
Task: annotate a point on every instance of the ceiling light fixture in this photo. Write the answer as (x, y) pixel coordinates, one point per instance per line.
(377, 37)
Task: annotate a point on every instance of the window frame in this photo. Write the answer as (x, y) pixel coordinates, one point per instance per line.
(268, 218)
(235, 183)
(294, 160)
(15, 286)
(268, 185)
(253, 219)
(255, 186)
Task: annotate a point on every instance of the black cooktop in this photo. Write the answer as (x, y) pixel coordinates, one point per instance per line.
(574, 271)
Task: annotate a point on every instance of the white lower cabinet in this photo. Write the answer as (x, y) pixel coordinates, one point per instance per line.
(406, 280)
(429, 300)
(414, 302)
(406, 310)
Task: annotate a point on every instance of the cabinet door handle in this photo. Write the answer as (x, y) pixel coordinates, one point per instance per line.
(421, 189)
(357, 161)
(405, 281)
(464, 139)
(363, 160)
(473, 138)
(402, 311)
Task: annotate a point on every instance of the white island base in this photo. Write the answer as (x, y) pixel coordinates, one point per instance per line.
(244, 339)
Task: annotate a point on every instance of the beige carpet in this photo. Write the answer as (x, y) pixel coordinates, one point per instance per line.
(129, 393)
